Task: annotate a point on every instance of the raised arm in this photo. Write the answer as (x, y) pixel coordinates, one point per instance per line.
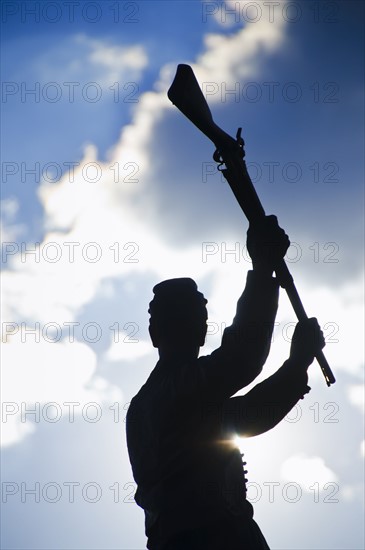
(269, 402)
(246, 343)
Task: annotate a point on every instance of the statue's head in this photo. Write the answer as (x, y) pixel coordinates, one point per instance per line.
(178, 315)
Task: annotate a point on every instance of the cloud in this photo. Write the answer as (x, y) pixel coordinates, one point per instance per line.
(81, 58)
(307, 470)
(232, 58)
(352, 492)
(123, 347)
(46, 377)
(239, 55)
(12, 429)
(10, 230)
(118, 63)
(356, 396)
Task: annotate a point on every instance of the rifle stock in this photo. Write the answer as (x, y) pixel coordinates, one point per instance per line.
(186, 94)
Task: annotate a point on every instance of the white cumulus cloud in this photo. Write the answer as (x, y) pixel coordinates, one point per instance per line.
(81, 58)
(119, 63)
(356, 395)
(229, 59)
(307, 470)
(36, 372)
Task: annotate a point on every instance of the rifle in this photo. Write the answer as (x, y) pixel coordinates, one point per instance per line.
(186, 94)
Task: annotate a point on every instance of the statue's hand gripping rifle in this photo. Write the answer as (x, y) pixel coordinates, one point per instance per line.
(186, 94)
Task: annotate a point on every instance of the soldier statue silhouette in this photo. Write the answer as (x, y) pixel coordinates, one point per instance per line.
(181, 424)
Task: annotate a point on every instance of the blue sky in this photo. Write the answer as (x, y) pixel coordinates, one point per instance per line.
(105, 238)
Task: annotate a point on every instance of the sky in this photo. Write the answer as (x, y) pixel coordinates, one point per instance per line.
(107, 189)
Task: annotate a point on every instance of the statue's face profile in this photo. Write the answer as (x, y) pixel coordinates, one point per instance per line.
(178, 315)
